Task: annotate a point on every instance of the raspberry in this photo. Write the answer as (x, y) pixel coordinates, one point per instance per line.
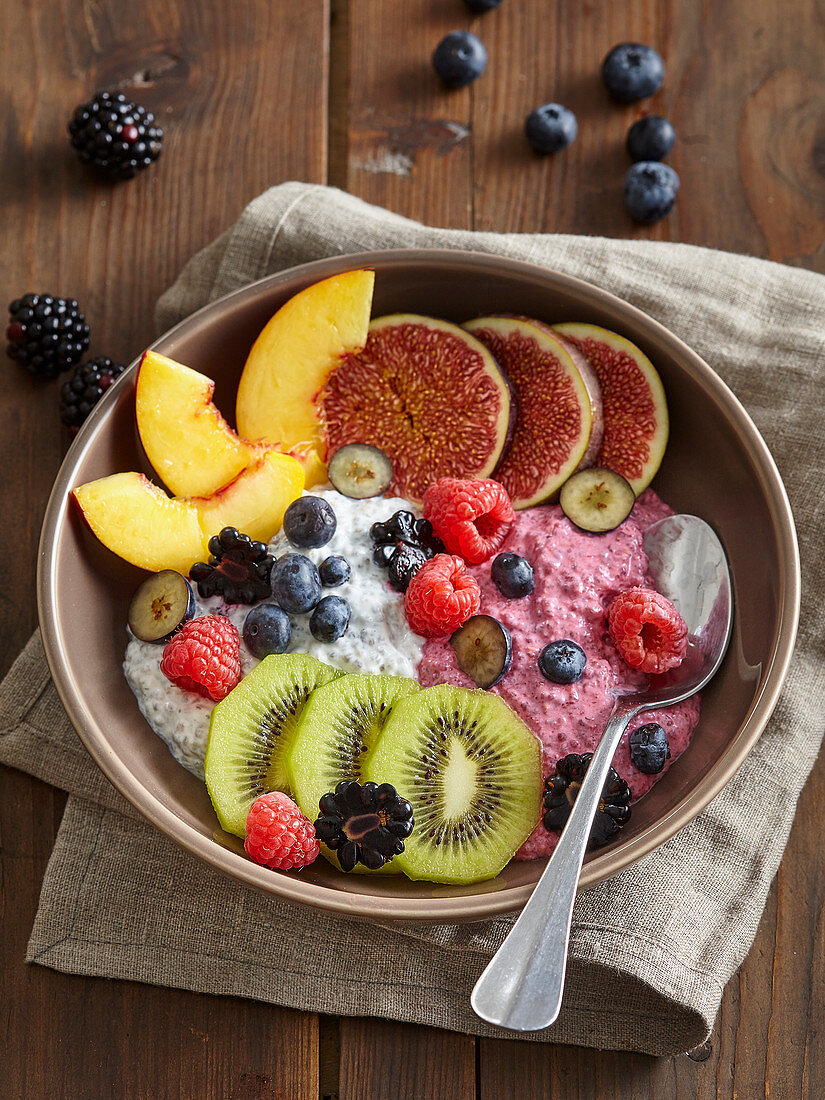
(441, 597)
(471, 518)
(205, 656)
(647, 630)
(278, 835)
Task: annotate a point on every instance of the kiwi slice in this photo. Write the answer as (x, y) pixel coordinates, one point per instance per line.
(251, 731)
(471, 770)
(340, 724)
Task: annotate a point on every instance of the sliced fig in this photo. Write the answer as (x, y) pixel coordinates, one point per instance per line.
(558, 411)
(597, 499)
(633, 399)
(358, 470)
(427, 394)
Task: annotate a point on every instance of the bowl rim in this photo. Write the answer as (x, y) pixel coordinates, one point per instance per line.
(434, 909)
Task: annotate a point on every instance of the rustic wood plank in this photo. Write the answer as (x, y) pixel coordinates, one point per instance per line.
(241, 91)
(380, 1059)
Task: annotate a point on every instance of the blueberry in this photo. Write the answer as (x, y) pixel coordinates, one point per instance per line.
(403, 565)
(551, 128)
(401, 525)
(480, 6)
(295, 583)
(632, 71)
(649, 748)
(650, 190)
(459, 58)
(562, 662)
(266, 630)
(650, 138)
(330, 619)
(334, 570)
(512, 575)
(309, 521)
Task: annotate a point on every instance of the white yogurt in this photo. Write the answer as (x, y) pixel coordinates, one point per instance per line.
(378, 639)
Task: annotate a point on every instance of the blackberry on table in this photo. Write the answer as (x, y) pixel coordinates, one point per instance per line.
(561, 790)
(364, 823)
(237, 571)
(46, 334)
(88, 383)
(115, 136)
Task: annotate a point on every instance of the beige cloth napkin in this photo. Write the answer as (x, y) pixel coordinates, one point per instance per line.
(652, 949)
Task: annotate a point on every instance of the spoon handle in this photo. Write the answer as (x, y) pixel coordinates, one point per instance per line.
(521, 988)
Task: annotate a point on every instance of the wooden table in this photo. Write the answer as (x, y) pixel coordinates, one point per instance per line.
(341, 91)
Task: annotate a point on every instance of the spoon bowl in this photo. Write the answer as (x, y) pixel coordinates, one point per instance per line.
(522, 986)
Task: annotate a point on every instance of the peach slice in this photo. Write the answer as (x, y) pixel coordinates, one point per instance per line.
(256, 500)
(292, 359)
(137, 521)
(190, 445)
(140, 523)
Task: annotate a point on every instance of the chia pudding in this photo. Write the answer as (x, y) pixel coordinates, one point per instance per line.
(576, 576)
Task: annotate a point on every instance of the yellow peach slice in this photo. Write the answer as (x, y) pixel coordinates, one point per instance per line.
(256, 500)
(292, 359)
(140, 523)
(190, 445)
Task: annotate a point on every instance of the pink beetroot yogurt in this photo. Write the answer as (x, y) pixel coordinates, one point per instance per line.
(576, 577)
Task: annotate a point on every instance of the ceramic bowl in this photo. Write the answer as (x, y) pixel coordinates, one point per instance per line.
(716, 466)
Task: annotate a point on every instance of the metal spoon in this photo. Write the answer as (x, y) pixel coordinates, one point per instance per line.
(522, 985)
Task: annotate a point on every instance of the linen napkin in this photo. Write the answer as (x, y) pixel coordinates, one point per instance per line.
(652, 949)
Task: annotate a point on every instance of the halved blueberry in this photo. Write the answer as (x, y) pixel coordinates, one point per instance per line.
(483, 649)
(459, 58)
(160, 606)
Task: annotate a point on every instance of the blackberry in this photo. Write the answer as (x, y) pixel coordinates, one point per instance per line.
(117, 137)
(401, 533)
(237, 571)
(84, 389)
(46, 335)
(364, 823)
(561, 790)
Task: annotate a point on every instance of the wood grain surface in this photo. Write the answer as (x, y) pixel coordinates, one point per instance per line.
(254, 93)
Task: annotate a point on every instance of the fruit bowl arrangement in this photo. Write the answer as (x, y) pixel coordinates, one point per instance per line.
(423, 298)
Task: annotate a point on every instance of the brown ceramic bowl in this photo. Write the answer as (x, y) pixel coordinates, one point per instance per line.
(716, 466)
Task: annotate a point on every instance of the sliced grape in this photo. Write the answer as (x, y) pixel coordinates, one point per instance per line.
(160, 606)
(359, 470)
(597, 499)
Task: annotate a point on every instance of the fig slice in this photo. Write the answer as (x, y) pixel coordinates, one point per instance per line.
(358, 470)
(427, 394)
(559, 416)
(633, 399)
(597, 499)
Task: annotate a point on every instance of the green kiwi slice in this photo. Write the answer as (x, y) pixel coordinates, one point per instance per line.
(340, 723)
(471, 770)
(251, 731)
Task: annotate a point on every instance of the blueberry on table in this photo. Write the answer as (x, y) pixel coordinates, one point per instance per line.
(330, 619)
(480, 6)
(309, 522)
(649, 748)
(632, 71)
(650, 138)
(295, 583)
(334, 570)
(267, 629)
(459, 58)
(562, 662)
(551, 128)
(650, 190)
(512, 575)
